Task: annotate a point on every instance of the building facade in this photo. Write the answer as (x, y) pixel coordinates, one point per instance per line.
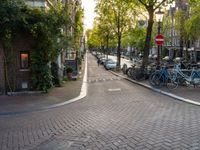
(18, 74)
(176, 44)
(20, 77)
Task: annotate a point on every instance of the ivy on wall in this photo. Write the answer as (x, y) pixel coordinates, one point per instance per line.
(44, 27)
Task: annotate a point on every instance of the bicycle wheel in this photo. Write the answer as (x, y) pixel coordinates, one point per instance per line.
(173, 81)
(133, 73)
(124, 69)
(156, 80)
(172, 84)
(129, 72)
(139, 74)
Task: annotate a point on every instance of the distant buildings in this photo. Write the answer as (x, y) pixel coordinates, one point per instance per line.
(175, 42)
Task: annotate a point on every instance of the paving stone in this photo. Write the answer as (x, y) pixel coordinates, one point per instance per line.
(132, 118)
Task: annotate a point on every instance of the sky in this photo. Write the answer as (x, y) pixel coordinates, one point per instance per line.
(89, 14)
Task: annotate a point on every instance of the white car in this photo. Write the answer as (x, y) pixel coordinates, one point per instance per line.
(110, 65)
(107, 60)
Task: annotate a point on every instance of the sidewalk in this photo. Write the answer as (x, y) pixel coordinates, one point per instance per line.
(32, 102)
(187, 94)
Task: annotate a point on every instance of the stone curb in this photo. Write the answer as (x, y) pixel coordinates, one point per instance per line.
(82, 94)
(158, 90)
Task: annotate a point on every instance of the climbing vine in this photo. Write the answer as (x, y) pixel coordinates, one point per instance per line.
(45, 28)
(10, 19)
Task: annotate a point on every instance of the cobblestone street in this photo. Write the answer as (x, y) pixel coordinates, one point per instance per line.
(115, 115)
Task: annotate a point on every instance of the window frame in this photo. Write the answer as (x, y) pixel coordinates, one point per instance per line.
(24, 52)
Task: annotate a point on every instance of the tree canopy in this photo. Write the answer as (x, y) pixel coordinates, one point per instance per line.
(119, 18)
(192, 24)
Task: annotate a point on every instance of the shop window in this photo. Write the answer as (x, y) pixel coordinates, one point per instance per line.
(24, 60)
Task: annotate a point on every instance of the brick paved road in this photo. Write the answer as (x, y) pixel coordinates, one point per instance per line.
(115, 115)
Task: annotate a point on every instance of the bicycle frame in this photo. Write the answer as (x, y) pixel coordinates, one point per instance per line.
(190, 79)
(159, 77)
(179, 71)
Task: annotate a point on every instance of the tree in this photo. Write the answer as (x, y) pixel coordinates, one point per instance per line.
(11, 16)
(78, 30)
(181, 17)
(94, 40)
(118, 14)
(105, 29)
(135, 37)
(191, 25)
(151, 6)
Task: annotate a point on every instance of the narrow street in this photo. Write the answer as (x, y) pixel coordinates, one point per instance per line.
(115, 115)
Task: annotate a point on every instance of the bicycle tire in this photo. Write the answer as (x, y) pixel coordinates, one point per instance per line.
(172, 84)
(129, 70)
(124, 69)
(134, 74)
(131, 73)
(139, 76)
(156, 80)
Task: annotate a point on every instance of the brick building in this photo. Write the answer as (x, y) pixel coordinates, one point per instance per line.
(17, 72)
(19, 75)
(175, 44)
(16, 75)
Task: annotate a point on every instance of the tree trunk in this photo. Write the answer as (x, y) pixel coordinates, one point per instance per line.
(181, 46)
(148, 36)
(119, 52)
(118, 42)
(107, 43)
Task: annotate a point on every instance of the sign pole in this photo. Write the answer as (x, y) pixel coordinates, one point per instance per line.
(159, 41)
(159, 28)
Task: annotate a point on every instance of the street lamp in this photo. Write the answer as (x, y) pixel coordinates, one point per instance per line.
(159, 19)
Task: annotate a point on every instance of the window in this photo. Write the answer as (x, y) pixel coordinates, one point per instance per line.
(24, 60)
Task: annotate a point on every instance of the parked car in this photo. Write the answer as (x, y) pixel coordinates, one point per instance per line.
(111, 65)
(104, 63)
(102, 60)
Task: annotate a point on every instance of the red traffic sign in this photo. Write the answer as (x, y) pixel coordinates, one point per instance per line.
(159, 39)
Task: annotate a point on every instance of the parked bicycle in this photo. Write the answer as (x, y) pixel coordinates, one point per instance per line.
(133, 73)
(159, 77)
(139, 73)
(124, 68)
(177, 76)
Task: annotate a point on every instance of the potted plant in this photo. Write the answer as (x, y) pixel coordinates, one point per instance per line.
(69, 71)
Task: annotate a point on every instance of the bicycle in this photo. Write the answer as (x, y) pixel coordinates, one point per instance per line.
(131, 72)
(124, 69)
(139, 73)
(159, 77)
(177, 75)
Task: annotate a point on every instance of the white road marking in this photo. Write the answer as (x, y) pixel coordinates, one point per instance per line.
(114, 90)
